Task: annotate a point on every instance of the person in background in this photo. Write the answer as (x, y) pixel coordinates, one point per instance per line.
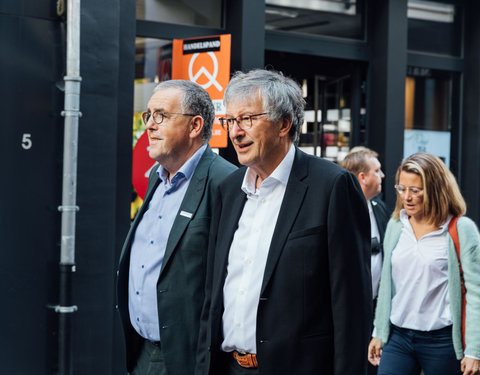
(162, 266)
(418, 317)
(364, 164)
(288, 280)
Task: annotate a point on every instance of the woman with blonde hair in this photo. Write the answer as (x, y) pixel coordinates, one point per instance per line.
(418, 319)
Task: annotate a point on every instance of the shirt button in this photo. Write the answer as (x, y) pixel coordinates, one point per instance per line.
(137, 292)
(143, 266)
(151, 242)
(159, 216)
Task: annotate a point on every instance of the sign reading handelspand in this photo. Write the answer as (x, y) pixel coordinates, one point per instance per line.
(206, 61)
(210, 44)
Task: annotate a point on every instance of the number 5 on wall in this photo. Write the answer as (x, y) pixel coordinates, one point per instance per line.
(26, 141)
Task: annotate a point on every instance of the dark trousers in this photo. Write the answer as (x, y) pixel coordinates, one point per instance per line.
(227, 365)
(150, 361)
(408, 351)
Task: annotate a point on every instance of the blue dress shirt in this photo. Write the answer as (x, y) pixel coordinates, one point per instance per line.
(149, 244)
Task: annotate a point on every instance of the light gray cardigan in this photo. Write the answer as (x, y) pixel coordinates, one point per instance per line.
(470, 257)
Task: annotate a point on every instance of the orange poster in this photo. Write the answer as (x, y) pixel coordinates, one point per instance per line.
(206, 61)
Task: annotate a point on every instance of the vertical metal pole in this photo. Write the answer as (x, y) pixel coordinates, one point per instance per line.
(69, 186)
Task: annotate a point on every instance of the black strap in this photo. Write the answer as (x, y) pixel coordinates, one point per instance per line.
(376, 246)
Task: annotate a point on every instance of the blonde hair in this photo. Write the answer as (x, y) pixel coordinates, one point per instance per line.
(441, 194)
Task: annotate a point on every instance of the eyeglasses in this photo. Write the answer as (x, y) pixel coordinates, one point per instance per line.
(159, 116)
(243, 122)
(403, 189)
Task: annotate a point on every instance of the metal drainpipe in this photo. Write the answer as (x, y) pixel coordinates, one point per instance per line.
(68, 209)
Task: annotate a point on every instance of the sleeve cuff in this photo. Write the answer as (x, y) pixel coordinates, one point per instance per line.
(473, 357)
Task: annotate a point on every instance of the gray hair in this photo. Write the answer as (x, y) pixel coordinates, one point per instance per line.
(195, 100)
(281, 96)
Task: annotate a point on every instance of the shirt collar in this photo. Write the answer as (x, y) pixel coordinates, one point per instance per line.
(279, 175)
(186, 170)
(405, 221)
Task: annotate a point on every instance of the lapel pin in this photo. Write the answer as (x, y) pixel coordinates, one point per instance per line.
(186, 214)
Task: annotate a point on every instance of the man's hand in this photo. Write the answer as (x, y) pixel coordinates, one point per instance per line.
(375, 351)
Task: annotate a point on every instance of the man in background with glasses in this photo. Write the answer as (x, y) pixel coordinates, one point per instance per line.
(162, 266)
(364, 164)
(288, 281)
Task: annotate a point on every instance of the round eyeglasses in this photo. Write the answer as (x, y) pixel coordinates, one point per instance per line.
(243, 122)
(415, 191)
(159, 116)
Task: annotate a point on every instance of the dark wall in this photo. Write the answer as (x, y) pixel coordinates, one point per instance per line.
(104, 172)
(32, 45)
(386, 97)
(470, 137)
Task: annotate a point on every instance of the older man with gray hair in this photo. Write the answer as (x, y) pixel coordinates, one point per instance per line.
(288, 284)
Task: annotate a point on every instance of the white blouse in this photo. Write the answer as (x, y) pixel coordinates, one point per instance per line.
(419, 272)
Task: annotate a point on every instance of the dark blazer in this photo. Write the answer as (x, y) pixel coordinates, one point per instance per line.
(314, 310)
(180, 287)
(381, 216)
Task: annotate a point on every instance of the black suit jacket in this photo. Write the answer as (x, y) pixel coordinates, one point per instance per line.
(314, 311)
(180, 287)
(381, 216)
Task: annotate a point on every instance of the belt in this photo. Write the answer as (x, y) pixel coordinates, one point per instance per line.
(246, 360)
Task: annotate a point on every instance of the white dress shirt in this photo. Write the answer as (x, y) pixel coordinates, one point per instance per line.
(376, 259)
(248, 255)
(419, 272)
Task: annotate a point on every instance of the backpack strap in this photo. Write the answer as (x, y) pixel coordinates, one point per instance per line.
(452, 229)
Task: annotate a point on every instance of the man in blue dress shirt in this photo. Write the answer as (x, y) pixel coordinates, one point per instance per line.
(162, 266)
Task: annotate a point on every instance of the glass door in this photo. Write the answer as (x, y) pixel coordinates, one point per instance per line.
(428, 112)
(335, 121)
